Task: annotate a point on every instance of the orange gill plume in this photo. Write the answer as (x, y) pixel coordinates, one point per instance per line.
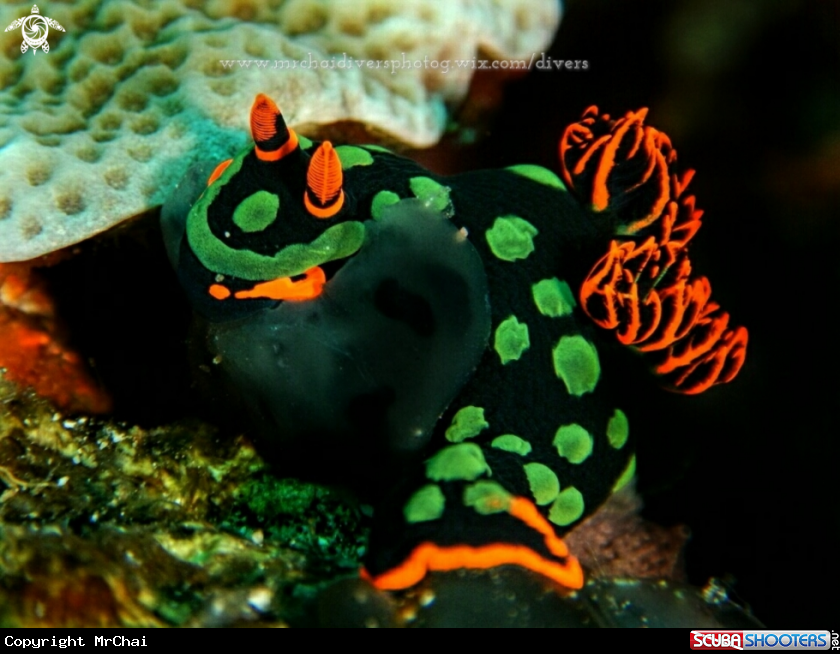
(618, 165)
(272, 139)
(643, 286)
(324, 195)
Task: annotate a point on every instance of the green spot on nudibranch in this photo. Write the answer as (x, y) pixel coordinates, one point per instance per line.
(487, 497)
(576, 363)
(350, 155)
(377, 148)
(337, 242)
(511, 238)
(573, 443)
(511, 339)
(553, 298)
(627, 475)
(538, 174)
(567, 508)
(433, 195)
(426, 504)
(467, 423)
(618, 429)
(462, 461)
(512, 443)
(256, 212)
(304, 142)
(380, 201)
(543, 482)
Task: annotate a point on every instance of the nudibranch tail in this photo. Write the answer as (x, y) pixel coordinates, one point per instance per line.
(545, 553)
(643, 288)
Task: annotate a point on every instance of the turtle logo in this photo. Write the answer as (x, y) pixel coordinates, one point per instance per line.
(35, 29)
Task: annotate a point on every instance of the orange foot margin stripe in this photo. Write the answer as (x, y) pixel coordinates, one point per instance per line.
(427, 556)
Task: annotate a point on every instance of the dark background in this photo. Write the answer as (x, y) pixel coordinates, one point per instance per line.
(749, 92)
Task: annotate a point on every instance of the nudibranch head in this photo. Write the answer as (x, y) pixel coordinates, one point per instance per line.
(643, 287)
(267, 223)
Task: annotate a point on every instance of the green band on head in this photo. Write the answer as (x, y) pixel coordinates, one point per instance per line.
(377, 148)
(467, 423)
(538, 174)
(511, 238)
(303, 142)
(256, 212)
(576, 363)
(337, 242)
(380, 201)
(462, 461)
(543, 482)
(426, 504)
(567, 508)
(433, 195)
(487, 497)
(512, 443)
(350, 155)
(553, 298)
(618, 429)
(573, 443)
(511, 339)
(627, 475)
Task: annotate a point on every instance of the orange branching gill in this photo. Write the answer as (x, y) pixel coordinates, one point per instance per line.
(31, 350)
(643, 287)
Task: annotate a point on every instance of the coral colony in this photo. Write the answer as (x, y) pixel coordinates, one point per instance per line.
(132, 94)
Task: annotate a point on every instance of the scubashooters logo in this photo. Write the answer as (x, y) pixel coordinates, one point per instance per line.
(35, 28)
(759, 640)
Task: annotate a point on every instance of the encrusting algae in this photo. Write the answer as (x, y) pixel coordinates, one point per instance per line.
(102, 524)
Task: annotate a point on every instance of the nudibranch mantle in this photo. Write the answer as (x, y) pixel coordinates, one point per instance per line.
(422, 339)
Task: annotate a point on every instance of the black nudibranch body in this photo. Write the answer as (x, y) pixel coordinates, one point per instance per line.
(417, 337)
(363, 371)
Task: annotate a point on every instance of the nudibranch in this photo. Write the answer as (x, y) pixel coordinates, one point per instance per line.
(434, 340)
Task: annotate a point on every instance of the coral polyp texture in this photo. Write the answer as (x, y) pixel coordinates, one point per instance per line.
(99, 128)
(429, 339)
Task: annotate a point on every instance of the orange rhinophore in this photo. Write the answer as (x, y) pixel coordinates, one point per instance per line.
(324, 195)
(272, 139)
(643, 287)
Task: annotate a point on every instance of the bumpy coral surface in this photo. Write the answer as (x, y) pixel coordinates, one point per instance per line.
(100, 127)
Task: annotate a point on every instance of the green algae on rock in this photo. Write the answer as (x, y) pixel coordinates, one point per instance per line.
(103, 524)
